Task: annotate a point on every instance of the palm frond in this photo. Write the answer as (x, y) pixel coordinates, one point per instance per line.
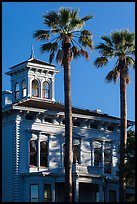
(51, 19)
(109, 76)
(86, 41)
(76, 52)
(105, 50)
(130, 61)
(59, 56)
(41, 34)
(46, 47)
(107, 39)
(64, 14)
(85, 54)
(100, 61)
(86, 18)
(51, 56)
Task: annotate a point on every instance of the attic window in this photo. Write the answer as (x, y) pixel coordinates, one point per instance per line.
(35, 88)
(93, 126)
(110, 128)
(23, 88)
(49, 120)
(29, 117)
(16, 91)
(76, 123)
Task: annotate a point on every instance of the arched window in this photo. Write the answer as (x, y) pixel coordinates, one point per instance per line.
(35, 88)
(33, 153)
(24, 89)
(44, 154)
(46, 90)
(16, 91)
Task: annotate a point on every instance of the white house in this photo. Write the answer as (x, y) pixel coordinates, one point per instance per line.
(33, 142)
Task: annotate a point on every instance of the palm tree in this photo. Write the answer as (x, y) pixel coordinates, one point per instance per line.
(70, 42)
(121, 46)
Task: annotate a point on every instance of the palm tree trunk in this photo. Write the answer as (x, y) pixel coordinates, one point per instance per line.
(68, 124)
(123, 135)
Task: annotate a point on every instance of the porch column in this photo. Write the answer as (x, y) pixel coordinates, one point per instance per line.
(101, 193)
(76, 190)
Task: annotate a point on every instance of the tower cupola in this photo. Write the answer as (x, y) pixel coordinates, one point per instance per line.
(33, 78)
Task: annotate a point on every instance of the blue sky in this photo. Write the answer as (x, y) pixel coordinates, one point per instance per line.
(89, 89)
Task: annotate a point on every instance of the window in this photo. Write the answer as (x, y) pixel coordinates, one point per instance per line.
(46, 90)
(76, 123)
(97, 153)
(16, 91)
(44, 154)
(93, 126)
(47, 119)
(76, 153)
(110, 128)
(34, 193)
(38, 153)
(24, 89)
(35, 88)
(47, 193)
(107, 158)
(33, 153)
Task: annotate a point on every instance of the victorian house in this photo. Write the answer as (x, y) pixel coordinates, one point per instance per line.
(33, 142)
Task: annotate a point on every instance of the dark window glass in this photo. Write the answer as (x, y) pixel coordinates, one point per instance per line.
(76, 153)
(97, 156)
(34, 193)
(47, 193)
(33, 153)
(49, 120)
(107, 158)
(112, 196)
(110, 128)
(46, 90)
(16, 91)
(76, 123)
(93, 126)
(44, 154)
(24, 89)
(29, 117)
(35, 88)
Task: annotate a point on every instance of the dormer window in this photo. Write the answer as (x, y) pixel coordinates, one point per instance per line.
(35, 88)
(16, 91)
(23, 88)
(46, 90)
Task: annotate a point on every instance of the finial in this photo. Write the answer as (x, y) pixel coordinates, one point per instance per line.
(32, 52)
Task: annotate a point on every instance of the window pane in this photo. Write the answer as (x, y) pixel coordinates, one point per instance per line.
(35, 88)
(34, 192)
(107, 158)
(24, 92)
(17, 95)
(97, 156)
(17, 86)
(46, 90)
(33, 153)
(76, 153)
(44, 154)
(47, 193)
